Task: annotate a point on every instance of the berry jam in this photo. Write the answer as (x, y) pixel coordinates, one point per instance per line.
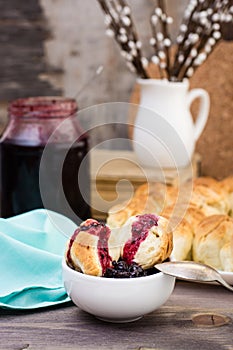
(140, 230)
(20, 191)
(120, 269)
(23, 145)
(100, 230)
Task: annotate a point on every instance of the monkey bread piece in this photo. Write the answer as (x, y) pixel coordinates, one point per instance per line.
(211, 235)
(226, 256)
(182, 238)
(147, 240)
(151, 197)
(227, 185)
(92, 248)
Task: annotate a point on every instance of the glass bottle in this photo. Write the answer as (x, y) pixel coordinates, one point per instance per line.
(27, 182)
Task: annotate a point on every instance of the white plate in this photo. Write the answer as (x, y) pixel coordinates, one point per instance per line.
(228, 276)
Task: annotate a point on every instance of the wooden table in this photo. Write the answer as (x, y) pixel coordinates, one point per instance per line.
(197, 316)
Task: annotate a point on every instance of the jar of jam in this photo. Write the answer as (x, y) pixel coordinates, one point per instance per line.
(44, 159)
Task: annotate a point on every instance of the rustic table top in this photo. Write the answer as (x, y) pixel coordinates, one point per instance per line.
(196, 316)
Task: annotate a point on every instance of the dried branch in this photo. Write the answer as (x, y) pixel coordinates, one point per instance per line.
(120, 25)
(161, 39)
(199, 33)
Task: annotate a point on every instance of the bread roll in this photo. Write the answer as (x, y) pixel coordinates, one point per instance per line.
(207, 181)
(148, 198)
(182, 238)
(189, 212)
(148, 240)
(210, 236)
(226, 256)
(92, 248)
(209, 200)
(227, 184)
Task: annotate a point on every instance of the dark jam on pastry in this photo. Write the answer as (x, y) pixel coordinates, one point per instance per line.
(140, 230)
(100, 230)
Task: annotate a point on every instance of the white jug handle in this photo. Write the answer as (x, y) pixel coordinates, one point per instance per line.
(203, 110)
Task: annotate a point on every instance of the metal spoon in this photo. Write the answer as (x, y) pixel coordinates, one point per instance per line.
(192, 271)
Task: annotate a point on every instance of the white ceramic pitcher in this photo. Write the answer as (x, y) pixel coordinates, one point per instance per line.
(164, 131)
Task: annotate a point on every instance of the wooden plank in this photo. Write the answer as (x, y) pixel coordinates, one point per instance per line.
(116, 174)
(169, 328)
(112, 165)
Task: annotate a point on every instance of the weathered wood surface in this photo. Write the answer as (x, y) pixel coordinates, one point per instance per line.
(175, 326)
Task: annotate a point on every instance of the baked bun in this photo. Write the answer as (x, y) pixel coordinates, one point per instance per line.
(188, 212)
(210, 237)
(209, 200)
(148, 240)
(150, 197)
(182, 238)
(207, 181)
(227, 185)
(92, 248)
(226, 256)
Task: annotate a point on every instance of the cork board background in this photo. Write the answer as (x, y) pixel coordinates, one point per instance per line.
(215, 145)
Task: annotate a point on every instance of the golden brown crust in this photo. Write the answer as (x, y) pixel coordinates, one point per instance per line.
(194, 216)
(210, 236)
(226, 256)
(209, 200)
(206, 181)
(148, 198)
(182, 238)
(227, 185)
(84, 254)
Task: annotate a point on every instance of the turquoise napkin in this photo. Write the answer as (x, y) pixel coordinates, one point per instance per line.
(32, 246)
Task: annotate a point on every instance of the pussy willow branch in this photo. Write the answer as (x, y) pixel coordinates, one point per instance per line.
(199, 33)
(154, 42)
(181, 51)
(161, 4)
(207, 29)
(123, 29)
(160, 40)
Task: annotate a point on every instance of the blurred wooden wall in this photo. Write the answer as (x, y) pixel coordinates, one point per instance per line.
(53, 47)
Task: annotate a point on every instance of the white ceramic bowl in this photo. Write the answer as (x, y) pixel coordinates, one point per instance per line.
(114, 299)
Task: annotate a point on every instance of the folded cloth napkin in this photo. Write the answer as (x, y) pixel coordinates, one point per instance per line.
(32, 246)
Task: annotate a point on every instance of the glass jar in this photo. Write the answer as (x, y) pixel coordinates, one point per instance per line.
(27, 182)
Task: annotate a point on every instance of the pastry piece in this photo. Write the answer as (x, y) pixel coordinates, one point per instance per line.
(182, 238)
(210, 236)
(188, 212)
(193, 216)
(210, 200)
(119, 213)
(227, 184)
(207, 181)
(148, 240)
(182, 241)
(92, 248)
(148, 198)
(226, 256)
